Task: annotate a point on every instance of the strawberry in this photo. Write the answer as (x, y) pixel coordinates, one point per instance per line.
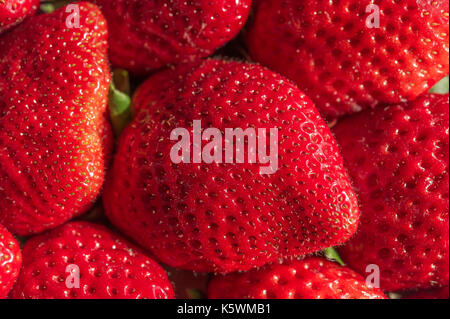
(13, 12)
(223, 217)
(149, 34)
(398, 158)
(81, 260)
(441, 293)
(10, 261)
(343, 65)
(54, 130)
(311, 278)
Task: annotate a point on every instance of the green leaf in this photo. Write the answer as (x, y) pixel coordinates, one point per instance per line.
(442, 87)
(47, 7)
(120, 101)
(331, 253)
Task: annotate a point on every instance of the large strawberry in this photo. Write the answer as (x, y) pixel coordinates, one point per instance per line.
(54, 134)
(81, 260)
(10, 261)
(13, 12)
(311, 278)
(343, 60)
(149, 34)
(226, 217)
(398, 157)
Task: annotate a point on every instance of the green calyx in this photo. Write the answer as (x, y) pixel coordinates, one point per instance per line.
(48, 6)
(442, 87)
(332, 254)
(120, 101)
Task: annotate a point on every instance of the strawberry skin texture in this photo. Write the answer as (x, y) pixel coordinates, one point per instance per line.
(109, 266)
(311, 278)
(398, 159)
(54, 131)
(149, 34)
(13, 12)
(442, 293)
(229, 217)
(10, 261)
(340, 63)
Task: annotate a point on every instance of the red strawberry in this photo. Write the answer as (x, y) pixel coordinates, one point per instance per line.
(311, 278)
(344, 66)
(13, 12)
(227, 217)
(106, 265)
(441, 293)
(398, 158)
(54, 83)
(10, 260)
(149, 34)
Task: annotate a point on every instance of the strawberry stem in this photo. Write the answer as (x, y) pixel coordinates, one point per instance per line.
(119, 101)
(331, 253)
(47, 7)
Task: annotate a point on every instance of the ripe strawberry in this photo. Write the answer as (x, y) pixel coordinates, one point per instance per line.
(54, 134)
(107, 266)
(441, 293)
(398, 158)
(148, 34)
(227, 217)
(10, 260)
(344, 66)
(13, 12)
(311, 278)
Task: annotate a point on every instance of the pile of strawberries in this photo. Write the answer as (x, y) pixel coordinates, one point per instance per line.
(363, 149)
